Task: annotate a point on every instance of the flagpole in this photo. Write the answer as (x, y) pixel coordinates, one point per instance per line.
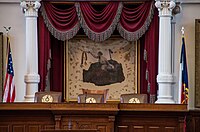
(7, 44)
(183, 76)
(180, 81)
(8, 92)
(180, 73)
(7, 50)
(182, 30)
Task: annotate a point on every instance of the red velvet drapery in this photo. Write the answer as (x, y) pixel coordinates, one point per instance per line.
(44, 46)
(98, 25)
(50, 62)
(135, 21)
(152, 55)
(99, 21)
(62, 23)
(149, 65)
(57, 65)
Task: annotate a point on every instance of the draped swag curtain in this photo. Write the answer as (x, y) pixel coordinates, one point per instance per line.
(64, 23)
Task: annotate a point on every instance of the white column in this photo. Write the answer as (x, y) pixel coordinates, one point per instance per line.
(32, 77)
(165, 77)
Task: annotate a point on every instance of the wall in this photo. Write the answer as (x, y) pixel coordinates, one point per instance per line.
(11, 15)
(189, 12)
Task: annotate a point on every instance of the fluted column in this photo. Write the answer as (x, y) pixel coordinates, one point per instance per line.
(165, 77)
(31, 78)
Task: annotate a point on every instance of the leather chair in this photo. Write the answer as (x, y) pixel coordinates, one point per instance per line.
(48, 97)
(91, 98)
(104, 92)
(133, 98)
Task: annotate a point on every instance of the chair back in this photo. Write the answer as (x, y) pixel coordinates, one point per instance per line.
(91, 98)
(48, 97)
(104, 92)
(133, 98)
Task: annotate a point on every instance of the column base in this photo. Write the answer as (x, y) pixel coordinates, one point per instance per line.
(165, 100)
(31, 81)
(29, 98)
(165, 82)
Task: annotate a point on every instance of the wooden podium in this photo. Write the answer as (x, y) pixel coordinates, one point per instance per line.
(71, 117)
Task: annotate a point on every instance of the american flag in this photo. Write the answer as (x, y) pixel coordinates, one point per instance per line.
(9, 85)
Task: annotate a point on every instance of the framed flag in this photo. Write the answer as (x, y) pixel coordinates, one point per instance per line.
(111, 64)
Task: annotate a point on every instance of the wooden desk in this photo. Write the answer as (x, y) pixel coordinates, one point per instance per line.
(37, 117)
(193, 120)
(151, 118)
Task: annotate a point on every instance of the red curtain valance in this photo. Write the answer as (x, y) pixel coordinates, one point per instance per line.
(62, 23)
(98, 25)
(135, 21)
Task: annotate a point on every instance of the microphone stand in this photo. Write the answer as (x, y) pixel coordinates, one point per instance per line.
(85, 96)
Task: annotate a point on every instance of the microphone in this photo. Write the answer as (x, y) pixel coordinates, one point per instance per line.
(85, 96)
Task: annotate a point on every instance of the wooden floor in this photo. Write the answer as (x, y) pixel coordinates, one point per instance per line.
(71, 117)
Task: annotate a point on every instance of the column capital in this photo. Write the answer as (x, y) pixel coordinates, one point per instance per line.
(30, 7)
(165, 7)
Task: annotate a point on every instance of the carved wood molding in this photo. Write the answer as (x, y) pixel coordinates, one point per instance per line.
(57, 119)
(153, 107)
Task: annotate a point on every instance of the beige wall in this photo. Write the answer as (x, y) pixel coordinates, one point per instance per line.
(11, 15)
(189, 13)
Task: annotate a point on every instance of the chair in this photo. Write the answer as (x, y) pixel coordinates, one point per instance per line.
(91, 98)
(133, 98)
(104, 92)
(48, 97)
